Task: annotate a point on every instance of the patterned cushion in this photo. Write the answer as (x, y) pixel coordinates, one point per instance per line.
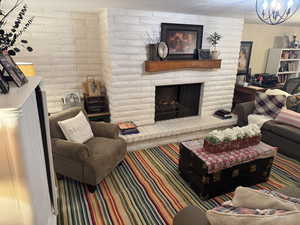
(228, 215)
(245, 211)
(269, 105)
(289, 117)
(282, 196)
(263, 200)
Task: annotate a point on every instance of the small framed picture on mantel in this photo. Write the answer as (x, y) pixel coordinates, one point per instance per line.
(182, 40)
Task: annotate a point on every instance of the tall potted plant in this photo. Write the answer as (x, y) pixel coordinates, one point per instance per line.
(10, 35)
(214, 39)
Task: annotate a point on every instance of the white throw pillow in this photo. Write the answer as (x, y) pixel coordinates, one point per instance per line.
(277, 92)
(76, 129)
(259, 120)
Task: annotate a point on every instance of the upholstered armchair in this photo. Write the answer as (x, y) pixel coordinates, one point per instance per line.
(92, 161)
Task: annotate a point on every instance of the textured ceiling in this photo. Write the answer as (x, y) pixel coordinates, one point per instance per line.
(227, 8)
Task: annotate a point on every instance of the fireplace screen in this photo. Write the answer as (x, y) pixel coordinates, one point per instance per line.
(176, 101)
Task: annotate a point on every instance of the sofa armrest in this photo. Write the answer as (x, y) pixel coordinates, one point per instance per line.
(298, 108)
(69, 149)
(243, 110)
(101, 129)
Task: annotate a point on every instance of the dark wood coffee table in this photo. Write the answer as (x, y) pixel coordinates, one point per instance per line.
(209, 183)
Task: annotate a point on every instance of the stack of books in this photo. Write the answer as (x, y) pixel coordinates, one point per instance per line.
(128, 127)
(223, 114)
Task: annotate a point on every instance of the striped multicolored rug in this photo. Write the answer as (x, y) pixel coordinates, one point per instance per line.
(147, 189)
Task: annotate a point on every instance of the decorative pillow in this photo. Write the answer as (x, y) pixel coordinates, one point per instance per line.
(289, 117)
(259, 120)
(293, 103)
(281, 196)
(76, 129)
(269, 105)
(257, 199)
(277, 92)
(229, 215)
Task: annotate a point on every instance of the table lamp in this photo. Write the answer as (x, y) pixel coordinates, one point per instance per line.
(27, 68)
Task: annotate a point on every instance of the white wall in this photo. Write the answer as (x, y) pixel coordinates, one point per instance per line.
(263, 37)
(66, 50)
(132, 91)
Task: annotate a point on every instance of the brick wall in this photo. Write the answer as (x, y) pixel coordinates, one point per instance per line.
(66, 50)
(132, 91)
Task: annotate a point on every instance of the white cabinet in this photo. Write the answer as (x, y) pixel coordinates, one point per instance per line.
(284, 62)
(27, 188)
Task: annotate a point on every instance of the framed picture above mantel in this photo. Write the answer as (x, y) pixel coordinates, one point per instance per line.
(182, 40)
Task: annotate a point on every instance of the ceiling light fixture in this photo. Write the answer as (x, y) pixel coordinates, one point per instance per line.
(275, 12)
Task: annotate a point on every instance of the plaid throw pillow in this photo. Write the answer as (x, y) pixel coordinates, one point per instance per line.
(269, 105)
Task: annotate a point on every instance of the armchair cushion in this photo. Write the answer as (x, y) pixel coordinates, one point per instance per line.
(108, 130)
(70, 149)
(100, 146)
(106, 153)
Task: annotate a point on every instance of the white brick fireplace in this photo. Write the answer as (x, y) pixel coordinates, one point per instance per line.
(131, 91)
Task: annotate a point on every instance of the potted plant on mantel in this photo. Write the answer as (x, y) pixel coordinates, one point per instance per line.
(10, 35)
(214, 39)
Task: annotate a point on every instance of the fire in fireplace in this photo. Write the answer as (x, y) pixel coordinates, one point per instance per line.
(177, 101)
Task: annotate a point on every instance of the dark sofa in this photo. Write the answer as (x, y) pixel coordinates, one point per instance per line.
(284, 136)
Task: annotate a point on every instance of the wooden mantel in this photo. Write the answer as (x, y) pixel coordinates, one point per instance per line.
(158, 66)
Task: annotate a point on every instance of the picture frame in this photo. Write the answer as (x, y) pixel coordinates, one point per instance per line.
(182, 40)
(72, 98)
(12, 69)
(203, 54)
(4, 85)
(244, 57)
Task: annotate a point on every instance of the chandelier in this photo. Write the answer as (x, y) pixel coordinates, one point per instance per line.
(275, 12)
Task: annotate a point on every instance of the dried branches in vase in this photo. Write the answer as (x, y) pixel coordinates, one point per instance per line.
(10, 35)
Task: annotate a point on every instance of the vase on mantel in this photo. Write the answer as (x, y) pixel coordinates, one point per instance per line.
(153, 52)
(215, 54)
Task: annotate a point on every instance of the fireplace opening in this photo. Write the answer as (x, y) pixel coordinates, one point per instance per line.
(177, 101)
